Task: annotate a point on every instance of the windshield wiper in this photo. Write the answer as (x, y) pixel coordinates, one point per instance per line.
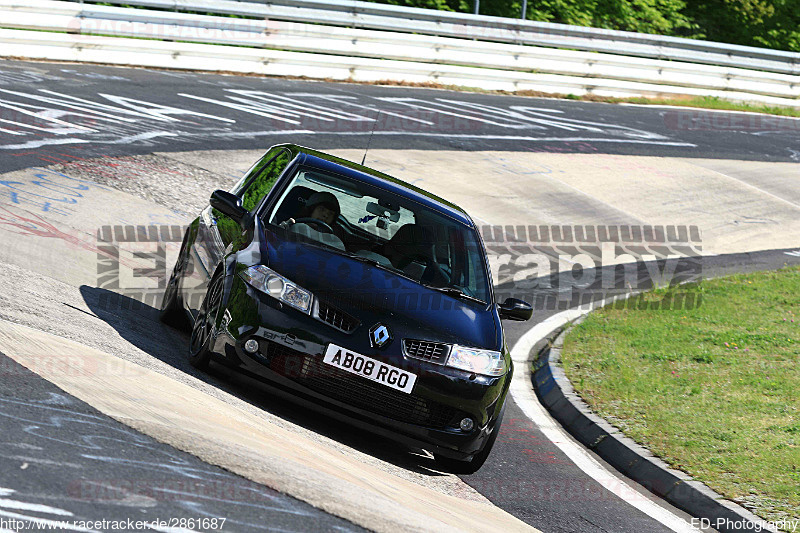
(375, 262)
(368, 260)
(458, 293)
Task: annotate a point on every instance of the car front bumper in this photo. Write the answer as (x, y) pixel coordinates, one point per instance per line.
(291, 345)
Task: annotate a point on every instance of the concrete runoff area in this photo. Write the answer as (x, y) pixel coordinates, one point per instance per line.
(50, 253)
(218, 433)
(739, 206)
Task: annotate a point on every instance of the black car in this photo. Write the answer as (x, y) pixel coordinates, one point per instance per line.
(352, 292)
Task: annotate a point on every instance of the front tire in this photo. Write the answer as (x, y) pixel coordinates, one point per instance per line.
(204, 329)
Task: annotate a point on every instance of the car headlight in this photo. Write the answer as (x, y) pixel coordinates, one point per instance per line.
(486, 362)
(270, 282)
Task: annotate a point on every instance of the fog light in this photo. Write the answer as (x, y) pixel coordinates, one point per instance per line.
(467, 424)
(251, 346)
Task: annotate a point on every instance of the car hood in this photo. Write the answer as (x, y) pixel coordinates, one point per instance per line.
(373, 295)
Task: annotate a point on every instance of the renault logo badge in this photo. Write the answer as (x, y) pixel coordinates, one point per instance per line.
(379, 336)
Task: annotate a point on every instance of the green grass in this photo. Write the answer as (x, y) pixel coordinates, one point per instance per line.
(714, 391)
(713, 102)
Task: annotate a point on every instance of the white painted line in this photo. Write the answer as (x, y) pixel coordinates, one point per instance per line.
(345, 100)
(474, 114)
(51, 524)
(524, 396)
(260, 109)
(33, 507)
(449, 136)
(303, 105)
(524, 138)
(795, 253)
(232, 135)
(122, 140)
(762, 191)
(40, 143)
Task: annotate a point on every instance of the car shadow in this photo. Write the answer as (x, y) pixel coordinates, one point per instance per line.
(139, 324)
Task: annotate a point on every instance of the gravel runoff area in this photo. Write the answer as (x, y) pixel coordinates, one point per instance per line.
(174, 184)
(28, 298)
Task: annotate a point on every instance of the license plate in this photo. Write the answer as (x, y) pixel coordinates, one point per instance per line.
(370, 368)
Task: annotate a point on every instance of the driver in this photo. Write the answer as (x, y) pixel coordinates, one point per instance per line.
(323, 206)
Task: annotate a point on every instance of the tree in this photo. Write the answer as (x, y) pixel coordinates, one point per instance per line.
(665, 17)
(765, 23)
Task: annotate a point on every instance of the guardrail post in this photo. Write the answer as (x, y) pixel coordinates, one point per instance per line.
(477, 6)
(524, 9)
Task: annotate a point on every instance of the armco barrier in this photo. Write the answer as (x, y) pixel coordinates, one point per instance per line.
(368, 15)
(282, 48)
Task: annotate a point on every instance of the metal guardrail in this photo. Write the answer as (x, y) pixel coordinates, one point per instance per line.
(281, 48)
(367, 15)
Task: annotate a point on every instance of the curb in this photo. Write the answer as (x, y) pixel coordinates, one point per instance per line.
(558, 396)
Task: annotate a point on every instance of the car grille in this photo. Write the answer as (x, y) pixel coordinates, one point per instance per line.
(335, 317)
(358, 392)
(434, 352)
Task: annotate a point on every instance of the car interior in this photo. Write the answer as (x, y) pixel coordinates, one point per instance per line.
(387, 234)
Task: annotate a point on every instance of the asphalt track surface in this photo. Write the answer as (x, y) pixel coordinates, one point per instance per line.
(63, 454)
(54, 112)
(65, 461)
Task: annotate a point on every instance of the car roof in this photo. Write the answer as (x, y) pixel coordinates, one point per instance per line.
(331, 163)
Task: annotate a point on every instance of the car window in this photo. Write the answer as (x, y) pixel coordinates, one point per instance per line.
(354, 208)
(396, 232)
(253, 186)
(262, 177)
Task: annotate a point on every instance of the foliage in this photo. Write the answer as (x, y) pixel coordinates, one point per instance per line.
(764, 23)
(772, 24)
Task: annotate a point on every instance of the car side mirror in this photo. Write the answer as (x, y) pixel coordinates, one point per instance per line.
(513, 309)
(230, 205)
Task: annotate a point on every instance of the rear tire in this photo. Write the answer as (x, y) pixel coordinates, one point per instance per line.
(172, 312)
(204, 329)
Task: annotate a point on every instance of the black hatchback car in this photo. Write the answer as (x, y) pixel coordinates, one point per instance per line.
(354, 293)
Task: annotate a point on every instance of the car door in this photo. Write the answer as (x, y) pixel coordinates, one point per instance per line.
(216, 230)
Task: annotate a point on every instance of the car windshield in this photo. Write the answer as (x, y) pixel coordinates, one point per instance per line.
(385, 229)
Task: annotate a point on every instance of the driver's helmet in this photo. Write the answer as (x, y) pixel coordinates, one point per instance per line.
(322, 198)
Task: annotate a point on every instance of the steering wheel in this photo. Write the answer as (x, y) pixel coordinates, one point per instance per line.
(315, 221)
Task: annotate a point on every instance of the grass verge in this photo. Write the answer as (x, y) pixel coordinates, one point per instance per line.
(714, 391)
(709, 102)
